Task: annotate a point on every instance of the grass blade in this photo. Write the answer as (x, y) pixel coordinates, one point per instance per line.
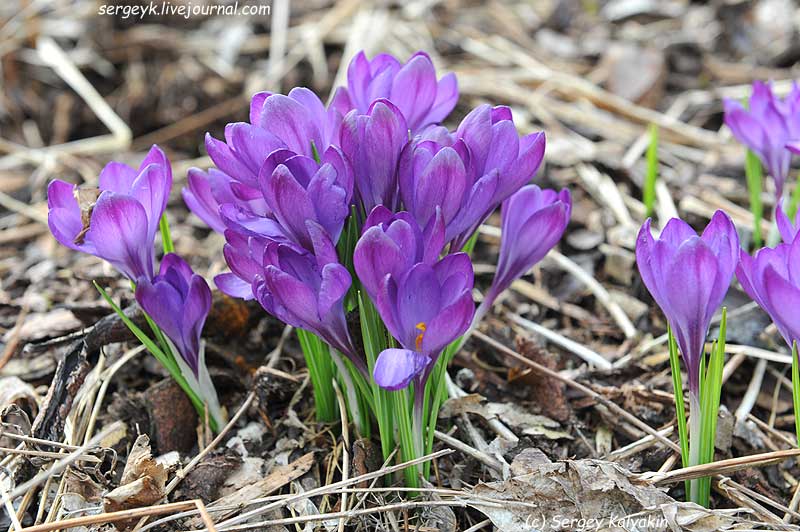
(755, 178)
(680, 406)
(166, 236)
(649, 190)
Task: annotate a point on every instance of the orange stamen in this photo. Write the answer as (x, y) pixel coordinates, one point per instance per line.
(421, 326)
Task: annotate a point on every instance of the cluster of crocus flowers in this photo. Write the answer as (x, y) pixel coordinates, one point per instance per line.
(366, 208)
(351, 222)
(117, 222)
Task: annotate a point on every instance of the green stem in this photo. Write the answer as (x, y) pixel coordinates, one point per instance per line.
(166, 237)
(754, 175)
(695, 437)
(321, 370)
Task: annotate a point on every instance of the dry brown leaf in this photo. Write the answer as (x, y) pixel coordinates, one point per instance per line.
(589, 495)
(142, 482)
(509, 413)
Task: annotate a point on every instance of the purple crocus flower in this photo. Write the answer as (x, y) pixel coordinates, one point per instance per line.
(500, 163)
(307, 290)
(244, 255)
(533, 221)
(372, 142)
(688, 276)
(772, 279)
(118, 221)
(412, 87)
(425, 309)
(391, 244)
(766, 127)
(178, 300)
(204, 193)
(298, 190)
(298, 122)
(786, 228)
(434, 177)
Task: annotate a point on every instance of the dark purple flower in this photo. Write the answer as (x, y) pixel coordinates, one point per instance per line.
(391, 244)
(766, 127)
(117, 222)
(412, 87)
(533, 221)
(372, 142)
(178, 300)
(434, 177)
(500, 163)
(307, 289)
(425, 309)
(298, 190)
(787, 229)
(688, 276)
(772, 279)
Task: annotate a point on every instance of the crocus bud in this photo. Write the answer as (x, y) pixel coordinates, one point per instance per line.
(688, 276)
(372, 142)
(533, 221)
(772, 279)
(178, 300)
(766, 126)
(434, 177)
(118, 221)
(307, 290)
(412, 87)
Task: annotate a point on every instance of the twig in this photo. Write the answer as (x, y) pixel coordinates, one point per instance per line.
(180, 475)
(597, 290)
(721, 467)
(504, 432)
(463, 503)
(483, 458)
(345, 446)
(330, 488)
(570, 345)
(479, 525)
(580, 387)
(112, 517)
(61, 465)
(753, 389)
(201, 508)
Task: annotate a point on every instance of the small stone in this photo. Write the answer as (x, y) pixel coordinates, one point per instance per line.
(635, 73)
(619, 264)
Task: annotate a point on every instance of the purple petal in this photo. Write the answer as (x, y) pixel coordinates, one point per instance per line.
(395, 368)
(64, 216)
(119, 231)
